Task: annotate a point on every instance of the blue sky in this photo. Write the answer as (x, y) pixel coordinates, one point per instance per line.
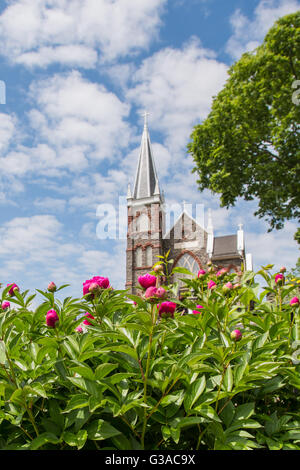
(78, 75)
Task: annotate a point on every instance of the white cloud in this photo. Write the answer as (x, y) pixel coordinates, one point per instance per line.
(40, 247)
(176, 86)
(7, 130)
(50, 204)
(74, 32)
(248, 34)
(73, 121)
(71, 56)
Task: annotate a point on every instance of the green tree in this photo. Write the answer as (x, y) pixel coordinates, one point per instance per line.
(249, 145)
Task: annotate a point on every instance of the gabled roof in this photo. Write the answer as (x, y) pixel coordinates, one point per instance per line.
(182, 220)
(146, 180)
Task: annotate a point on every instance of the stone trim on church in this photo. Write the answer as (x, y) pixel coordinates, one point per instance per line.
(190, 244)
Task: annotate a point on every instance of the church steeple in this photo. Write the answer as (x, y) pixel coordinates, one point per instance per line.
(146, 180)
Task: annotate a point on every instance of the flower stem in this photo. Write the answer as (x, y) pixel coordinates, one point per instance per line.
(146, 375)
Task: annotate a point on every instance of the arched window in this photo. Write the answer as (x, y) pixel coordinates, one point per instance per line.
(139, 257)
(189, 262)
(149, 256)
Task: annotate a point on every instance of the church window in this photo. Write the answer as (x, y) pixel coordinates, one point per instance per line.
(149, 256)
(139, 257)
(189, 262)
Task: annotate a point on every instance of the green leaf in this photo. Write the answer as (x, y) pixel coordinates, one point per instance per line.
(193, 393)
(99, 430)
(260, 341)
(183, 271)
(244, 411)
(228, 379)
(43, 439)
(78, 401)
(69, 438)
(103, 370)
(124, 349)
(208, 412)
(81, 438)
(3, 358)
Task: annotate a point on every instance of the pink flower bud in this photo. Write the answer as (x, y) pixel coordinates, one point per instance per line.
(279, 279)
(222, 272)
(201, 273)
(211, 285)
(5, 305)
(13, 288)
(148, 280)
(158, 269)
(51, 287)
(166, 309)
(51, 318)
(154, 293)
(198, 307)
(88, 315)
(293, 301)
(79, 329)
(283, 269)
(102, 282)
(237, 285)
(236, 335)
(227, 287)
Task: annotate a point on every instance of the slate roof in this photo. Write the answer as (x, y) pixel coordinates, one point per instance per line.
(225, 246)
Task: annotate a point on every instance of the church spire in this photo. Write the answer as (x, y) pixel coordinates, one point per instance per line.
(146, 180)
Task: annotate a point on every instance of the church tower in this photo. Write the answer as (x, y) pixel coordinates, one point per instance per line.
(145, 216)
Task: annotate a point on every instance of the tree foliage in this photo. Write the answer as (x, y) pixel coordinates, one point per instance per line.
(249, 145)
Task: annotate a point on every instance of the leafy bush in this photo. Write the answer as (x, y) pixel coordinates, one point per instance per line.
(133, 377)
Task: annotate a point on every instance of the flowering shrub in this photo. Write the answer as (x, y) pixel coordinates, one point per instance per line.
(218, 369)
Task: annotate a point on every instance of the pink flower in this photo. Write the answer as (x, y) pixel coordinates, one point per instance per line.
(155, 293)
(201, 272)
(279, 279)
(227, 287)
(79, 329)
(148, 280)
(51, 287)
(211, 285)
(51, 318)
(293, 301)
(88, 315)
(237, 285)
(5, 305)
(102, 282)
(282, 269)
(236, 335)
(221, 272)
(12, 289)
(166, 309)
(196, 312)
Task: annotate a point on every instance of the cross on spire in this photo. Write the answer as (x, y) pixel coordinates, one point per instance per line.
(145, 116)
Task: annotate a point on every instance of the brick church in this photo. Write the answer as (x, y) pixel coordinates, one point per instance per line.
(190, 244)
